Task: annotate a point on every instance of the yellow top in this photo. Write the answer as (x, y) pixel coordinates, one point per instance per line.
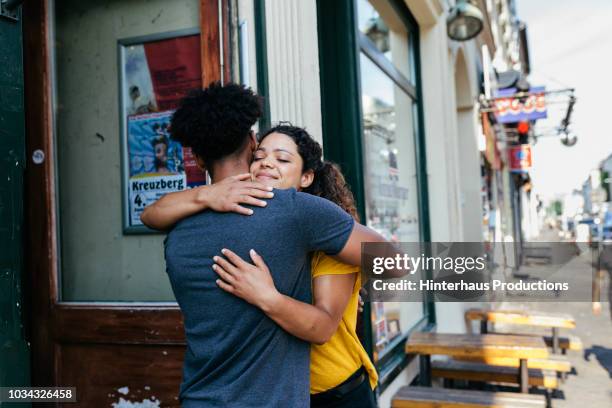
(336, 360)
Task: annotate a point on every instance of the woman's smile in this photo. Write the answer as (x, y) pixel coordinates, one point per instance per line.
(264, 175)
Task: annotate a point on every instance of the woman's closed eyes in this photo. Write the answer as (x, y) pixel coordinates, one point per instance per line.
(279, 157)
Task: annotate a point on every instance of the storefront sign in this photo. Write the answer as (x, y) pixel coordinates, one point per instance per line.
(156, 73)
(510, 109)
(520, 158)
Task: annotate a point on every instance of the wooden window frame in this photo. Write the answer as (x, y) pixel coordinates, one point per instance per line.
(52, 322)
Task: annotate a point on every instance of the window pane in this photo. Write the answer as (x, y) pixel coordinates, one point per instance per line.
(99, 262)
(381, 24)
(391, 182)
(390, 185)
(389, 321)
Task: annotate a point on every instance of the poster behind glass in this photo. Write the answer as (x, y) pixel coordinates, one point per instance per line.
(156, 72)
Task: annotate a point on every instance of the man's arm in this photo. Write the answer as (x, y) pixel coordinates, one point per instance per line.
(327, 227)
(351, 253)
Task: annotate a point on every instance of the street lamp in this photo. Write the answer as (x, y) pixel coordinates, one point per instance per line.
(568, 140)
(464, 22)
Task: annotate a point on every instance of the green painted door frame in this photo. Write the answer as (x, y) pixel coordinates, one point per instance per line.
(341, 90)
(14, 350)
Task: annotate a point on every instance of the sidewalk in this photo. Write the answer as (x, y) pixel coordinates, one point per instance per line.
(591, 385)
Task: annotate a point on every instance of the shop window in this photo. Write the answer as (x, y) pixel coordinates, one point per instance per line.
(391, 190)
(394, 198)
(119, 69)
(380, 23)
(372, 124)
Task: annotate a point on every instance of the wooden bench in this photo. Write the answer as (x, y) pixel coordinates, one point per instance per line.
(554, 321)
(522, 317)
(472, 371)
(553, 363)
(426, 397)
(572, 343)
(522, 348)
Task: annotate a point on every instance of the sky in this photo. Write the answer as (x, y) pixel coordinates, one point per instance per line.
(570, 45)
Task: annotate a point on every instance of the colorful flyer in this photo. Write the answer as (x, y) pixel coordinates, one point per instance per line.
(156, 74)
(155, 162)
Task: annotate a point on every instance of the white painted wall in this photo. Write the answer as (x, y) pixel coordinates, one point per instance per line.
(293, 64)
(246, 15)
(403, 378)
(466, 94)
(440, 131)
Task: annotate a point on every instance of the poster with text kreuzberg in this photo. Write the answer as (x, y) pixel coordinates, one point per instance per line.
(157, 75)
(155, 162)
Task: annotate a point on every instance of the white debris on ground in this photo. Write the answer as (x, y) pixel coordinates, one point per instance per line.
(146, 403)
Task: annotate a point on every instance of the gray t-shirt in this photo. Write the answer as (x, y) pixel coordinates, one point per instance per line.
(236, 356)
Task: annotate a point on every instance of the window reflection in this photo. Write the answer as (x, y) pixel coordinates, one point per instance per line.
(99, 262)
(391, 190)
(387, 33)
(390, 187)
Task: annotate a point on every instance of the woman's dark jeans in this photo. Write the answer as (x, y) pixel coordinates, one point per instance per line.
(360, 397)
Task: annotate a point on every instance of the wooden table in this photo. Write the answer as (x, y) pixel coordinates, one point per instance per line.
(523, 317)
(475, 345)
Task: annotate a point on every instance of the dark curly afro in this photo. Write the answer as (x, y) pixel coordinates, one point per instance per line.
(215, 122)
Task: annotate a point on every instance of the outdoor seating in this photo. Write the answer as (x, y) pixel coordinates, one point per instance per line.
(572, 343)
(426, 397)
(555, 363)
(473, 371)
(469, 355)
(554, 321)
(521, 348)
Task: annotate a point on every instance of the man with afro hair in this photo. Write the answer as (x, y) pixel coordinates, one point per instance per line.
(236, 356)
(216, 124)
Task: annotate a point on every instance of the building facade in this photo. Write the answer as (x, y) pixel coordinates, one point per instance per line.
(378, 82)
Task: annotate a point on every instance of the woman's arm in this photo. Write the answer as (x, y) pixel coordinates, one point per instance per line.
(225, 196)
(253, 283)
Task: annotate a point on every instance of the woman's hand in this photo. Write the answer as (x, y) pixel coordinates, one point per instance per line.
(229, 193)
(224, 196)
(252, 283)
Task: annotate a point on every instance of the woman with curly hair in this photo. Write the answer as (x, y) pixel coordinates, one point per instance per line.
(341, 373)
